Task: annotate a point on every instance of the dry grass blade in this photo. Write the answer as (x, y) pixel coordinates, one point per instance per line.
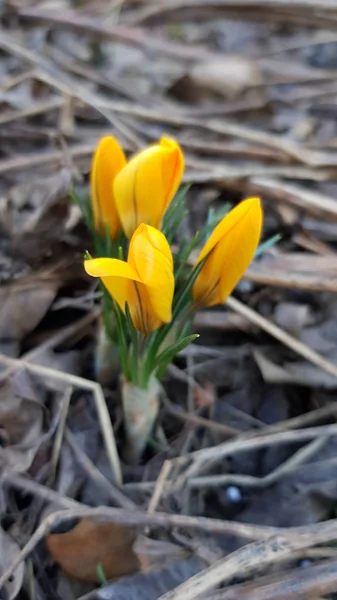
(250, 558)
(59, 434)
(283, 337)
(290, 465)
(95, 388)
(70, 88)
(308, 273)
(163, 9)
(100, 481)
(242, 443)
(128, 35)
(296, 584)
(311, 201)
(274, 543)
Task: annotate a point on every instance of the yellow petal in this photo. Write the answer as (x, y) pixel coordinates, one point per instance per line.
(108, 160)
(150, 255)
(230, 249)
(146, 186)
(172, 168)
(110, 267)
(230, 221)
(115, 274)
(141, 310)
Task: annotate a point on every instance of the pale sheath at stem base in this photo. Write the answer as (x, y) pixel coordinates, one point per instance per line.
(107, 361)
(140, 406)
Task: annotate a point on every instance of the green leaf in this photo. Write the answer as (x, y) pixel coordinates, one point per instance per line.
(183, 298)
(109, 245)
(184, 256)
(84, 203)
(134, 334)
(213, 219)
(268, 244)
(165, 358)
(175, 213)
(122, 338)
(100, 574)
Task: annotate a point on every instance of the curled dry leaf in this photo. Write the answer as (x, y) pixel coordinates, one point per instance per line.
(9, 551)
(21, 418)
(89, 545)
(23, 305)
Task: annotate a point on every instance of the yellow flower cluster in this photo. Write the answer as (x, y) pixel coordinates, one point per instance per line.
(127, 194)
(134, 196)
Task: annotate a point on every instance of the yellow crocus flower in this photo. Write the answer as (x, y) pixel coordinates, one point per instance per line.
(228, 252)
(145, 281)
(108, 160)
(145, 187)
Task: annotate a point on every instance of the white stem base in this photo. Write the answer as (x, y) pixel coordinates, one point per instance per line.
(140, 408)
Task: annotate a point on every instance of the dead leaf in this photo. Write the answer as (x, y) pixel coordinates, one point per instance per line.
(68, 362)
(306, 495)
(153, 554)
(9, 551)
(150, 585)
(293, 317)
(33, 208)
(23, 305)
(298, 372)
(79, 552)
(21, 419)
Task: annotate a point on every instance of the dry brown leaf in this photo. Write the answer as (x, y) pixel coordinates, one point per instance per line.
(155, 554)
(21, 418)
(79, 552)
(23, 305)
(37, 207)
(297, 372)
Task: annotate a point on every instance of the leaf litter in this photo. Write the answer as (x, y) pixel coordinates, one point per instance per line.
(246, 449)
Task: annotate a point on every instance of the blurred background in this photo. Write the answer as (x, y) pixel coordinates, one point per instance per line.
(249, 90)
